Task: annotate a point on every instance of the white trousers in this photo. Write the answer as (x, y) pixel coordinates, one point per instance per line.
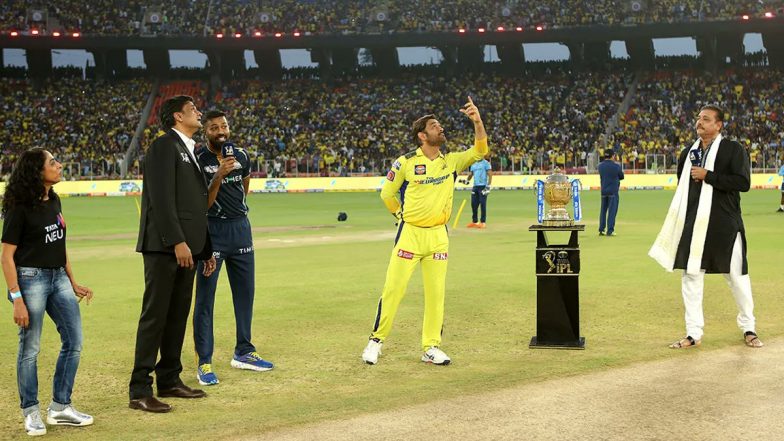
(692, 287)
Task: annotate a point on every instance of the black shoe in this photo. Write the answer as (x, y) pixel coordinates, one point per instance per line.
(780, 210)
(181, 391)
(149, 404)
(601, 233)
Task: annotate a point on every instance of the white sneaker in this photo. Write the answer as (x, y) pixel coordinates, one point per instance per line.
(436, 356)
(372, 351)
(68, 417)
(34, 425)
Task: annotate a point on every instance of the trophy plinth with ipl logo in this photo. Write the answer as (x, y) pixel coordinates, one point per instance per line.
(557, 264)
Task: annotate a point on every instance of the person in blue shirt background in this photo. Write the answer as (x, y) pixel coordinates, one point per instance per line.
(781, 205)
(611, 175)
(481, 172)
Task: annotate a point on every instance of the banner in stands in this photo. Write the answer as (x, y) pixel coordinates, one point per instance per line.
(316, 185)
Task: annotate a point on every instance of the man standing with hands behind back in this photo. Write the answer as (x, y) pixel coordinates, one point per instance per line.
(611, 175)
(172, 235)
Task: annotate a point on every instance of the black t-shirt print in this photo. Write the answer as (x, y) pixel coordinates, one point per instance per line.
(38, 233)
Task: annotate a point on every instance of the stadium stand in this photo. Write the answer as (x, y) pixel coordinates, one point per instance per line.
(200, 17)
(661, 119)
(87, 124)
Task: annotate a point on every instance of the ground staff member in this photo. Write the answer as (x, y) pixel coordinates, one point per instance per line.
(419, 190)
(40, 280)
(232, 242)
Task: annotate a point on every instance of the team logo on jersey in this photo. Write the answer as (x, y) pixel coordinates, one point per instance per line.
(440, 256)
(403, 254)
(391, 176)
(396, 165)
(185, 158)
(420, 169)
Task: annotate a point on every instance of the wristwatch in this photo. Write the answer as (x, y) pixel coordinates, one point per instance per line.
(13, 295)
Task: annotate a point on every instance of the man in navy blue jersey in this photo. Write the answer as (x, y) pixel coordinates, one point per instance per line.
(227, 169)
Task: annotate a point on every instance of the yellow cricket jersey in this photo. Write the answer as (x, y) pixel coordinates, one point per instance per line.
(424, 189)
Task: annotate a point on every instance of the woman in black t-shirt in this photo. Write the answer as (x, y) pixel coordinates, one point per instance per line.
(39, 279)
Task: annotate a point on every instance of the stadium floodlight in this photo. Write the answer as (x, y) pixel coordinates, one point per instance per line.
(769, 15)
(55, 34)
(237, 35)
(219, 35)
(481, 30)
(34, 32)
(297, 33)
(461, 31)
(519, 29)
(76, 35)
(257, 34)
(539, 28)
(278, 34)
(745, 17)
(14, 34)
(500, 29)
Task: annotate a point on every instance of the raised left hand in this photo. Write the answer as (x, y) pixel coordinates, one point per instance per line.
(470, 110)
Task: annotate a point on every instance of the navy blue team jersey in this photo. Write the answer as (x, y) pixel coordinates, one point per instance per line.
(230, 202)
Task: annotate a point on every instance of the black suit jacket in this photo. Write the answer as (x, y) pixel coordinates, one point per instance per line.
(731, 175)
(174, 200)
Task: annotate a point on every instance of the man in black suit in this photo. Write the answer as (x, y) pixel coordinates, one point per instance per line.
(172, 234)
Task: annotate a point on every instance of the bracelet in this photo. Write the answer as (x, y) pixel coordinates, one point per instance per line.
(14, 294)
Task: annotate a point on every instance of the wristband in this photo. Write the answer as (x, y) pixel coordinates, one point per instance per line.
(14, 295)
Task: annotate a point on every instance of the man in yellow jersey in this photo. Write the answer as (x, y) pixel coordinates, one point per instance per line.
(419, 190)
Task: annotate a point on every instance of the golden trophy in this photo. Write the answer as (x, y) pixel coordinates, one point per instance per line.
(557, 194)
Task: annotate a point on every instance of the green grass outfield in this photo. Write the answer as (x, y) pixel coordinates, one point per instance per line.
(318, 283)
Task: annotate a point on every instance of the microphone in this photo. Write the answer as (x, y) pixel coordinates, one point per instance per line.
(227, 149)
(695, 156)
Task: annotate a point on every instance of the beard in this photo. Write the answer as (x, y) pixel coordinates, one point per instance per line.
(438, 140)
(218, 140)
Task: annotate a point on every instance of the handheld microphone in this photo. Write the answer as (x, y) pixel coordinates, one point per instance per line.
(695, 156)
(227, 149)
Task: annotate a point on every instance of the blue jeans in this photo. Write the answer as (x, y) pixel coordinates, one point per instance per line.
(608, 211)
(48, 290)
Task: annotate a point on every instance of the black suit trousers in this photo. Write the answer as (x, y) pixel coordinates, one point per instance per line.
(168, 291)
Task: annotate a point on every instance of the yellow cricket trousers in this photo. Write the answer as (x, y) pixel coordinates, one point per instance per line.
(413, 245)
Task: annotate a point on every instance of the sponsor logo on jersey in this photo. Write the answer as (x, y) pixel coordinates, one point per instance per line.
(420, 169)
(434, 181)
(440, 256)
(403, 254)
(391, 176)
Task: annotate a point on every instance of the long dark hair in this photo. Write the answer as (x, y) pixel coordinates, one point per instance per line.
(26, 185)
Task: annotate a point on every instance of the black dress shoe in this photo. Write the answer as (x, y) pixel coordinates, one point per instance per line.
(149, 404)
(181, 391)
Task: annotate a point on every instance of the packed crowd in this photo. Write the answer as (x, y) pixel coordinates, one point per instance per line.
(87, 125)
(661, 120)
(361, 126)
(200, 17)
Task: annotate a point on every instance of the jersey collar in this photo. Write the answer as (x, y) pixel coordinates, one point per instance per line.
(419, 152)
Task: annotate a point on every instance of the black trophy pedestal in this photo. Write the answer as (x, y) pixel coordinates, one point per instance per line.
(557, 290)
